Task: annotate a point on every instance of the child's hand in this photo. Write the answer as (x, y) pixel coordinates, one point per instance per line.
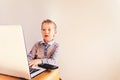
(35, 62)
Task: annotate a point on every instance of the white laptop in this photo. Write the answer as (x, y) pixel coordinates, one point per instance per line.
(13, 56)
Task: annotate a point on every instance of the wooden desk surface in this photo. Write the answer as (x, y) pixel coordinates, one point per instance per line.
(48, 75)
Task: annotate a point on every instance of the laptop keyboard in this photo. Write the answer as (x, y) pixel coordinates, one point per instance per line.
(32, 70)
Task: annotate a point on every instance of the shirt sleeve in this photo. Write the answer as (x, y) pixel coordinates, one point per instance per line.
(54, 58)
(33, 51)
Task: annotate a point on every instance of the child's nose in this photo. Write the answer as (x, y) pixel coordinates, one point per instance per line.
(47, 31)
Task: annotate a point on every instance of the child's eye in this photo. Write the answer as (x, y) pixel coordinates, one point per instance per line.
(43, 29)
(49, 29)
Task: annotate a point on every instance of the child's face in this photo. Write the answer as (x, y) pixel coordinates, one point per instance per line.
(48, 31)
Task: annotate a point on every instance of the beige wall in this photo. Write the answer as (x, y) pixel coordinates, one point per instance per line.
(89, 33)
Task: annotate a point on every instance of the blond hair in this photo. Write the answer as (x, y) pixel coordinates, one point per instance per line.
(49, 21)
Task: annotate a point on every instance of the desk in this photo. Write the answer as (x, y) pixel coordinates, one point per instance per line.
(47, 75)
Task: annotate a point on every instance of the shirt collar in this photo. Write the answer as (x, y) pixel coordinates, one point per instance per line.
(50, 43)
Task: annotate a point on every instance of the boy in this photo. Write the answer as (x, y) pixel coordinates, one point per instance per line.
(45, 51)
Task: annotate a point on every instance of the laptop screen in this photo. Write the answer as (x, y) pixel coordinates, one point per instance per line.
(13, 59)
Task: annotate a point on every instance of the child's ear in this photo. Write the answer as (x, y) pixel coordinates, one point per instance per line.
(55, 31)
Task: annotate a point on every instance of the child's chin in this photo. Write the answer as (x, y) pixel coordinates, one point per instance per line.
(47, 40)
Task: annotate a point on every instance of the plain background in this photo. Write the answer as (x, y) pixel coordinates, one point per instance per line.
(88, 33)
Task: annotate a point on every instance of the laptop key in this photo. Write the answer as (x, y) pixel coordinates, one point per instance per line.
(32, 70)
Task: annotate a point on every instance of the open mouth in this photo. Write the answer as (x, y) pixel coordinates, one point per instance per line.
(46, 36)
